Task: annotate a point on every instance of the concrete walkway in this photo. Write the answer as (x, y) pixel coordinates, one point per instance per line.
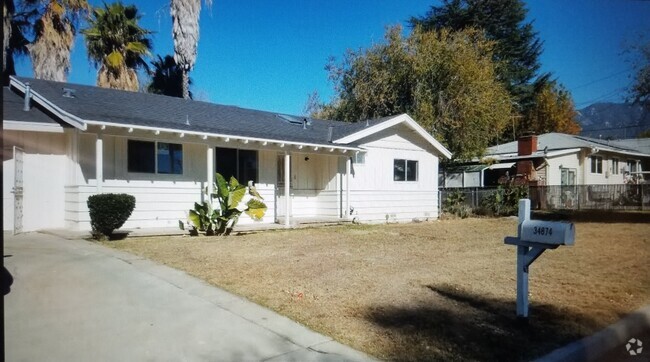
(74, 300)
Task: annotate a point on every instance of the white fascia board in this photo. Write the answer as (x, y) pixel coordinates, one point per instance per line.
(561, 152)
(402, 118)
(10, 125)
(324, 146)
(622, 152)
(515, 156)
(69, 118)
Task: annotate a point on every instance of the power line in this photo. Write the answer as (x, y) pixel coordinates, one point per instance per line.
(604, 96)
(601, 79)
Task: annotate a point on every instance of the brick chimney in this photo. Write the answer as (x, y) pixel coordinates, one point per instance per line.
(527, 145)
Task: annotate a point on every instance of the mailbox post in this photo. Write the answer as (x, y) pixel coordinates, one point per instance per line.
(533, 238)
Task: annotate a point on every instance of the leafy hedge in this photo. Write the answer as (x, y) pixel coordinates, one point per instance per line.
(109, 212)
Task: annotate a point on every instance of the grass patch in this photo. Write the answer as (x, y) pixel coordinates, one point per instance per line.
(443, 290)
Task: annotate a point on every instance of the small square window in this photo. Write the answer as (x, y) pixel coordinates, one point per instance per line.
(405, 170)
(141, 156)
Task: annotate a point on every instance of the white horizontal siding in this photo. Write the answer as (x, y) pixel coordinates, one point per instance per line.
(377, 205)
(155, 206)
(314, 203)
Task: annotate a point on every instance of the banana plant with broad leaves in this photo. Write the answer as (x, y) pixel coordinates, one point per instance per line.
(220, 214)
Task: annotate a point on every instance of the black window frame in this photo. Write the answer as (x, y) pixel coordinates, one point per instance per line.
(597, 165)
(172, 148)
(239, 170)
(409, 172)
(151, 161)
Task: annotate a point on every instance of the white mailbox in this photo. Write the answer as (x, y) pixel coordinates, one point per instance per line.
(533, 238)
(545, 232)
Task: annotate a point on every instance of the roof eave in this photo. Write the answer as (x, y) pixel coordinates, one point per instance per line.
(207, 135)
(66, 117)
(402, 118)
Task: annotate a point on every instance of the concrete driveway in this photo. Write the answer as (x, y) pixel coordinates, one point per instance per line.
(73, 300)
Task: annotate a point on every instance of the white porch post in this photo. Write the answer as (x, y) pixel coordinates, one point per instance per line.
(210, 169)
(287, 189)
(348, 164)
(99, 162)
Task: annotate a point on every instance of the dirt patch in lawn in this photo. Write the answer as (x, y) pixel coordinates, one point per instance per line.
(443, 290)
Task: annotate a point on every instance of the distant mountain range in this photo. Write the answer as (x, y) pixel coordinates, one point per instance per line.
(613, 120)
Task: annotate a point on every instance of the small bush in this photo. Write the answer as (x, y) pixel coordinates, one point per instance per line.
(455, 204)
(504, 201)
(108, 212)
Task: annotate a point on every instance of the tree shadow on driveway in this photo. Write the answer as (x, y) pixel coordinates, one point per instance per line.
(459, 325)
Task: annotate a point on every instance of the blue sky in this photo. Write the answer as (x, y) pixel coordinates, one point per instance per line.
(270, 55)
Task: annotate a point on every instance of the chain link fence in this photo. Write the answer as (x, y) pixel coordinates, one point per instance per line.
(574, 197)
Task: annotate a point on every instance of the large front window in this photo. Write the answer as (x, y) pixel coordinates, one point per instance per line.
(154, 157)
(243, 164)
(405, 170)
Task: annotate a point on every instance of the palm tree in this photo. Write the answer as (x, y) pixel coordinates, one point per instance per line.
(167, 77)
(7, 16)
(185, 31)
(15, 22)
(54, 37)
(117, 45)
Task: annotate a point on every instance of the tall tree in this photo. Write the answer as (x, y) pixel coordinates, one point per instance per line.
(54, 37)
(553, 111)
(445, 80)
(45, 30)
(8, 10)
(117, 45)
(185, 31)
(517, 48)
(167, 77)
(640, 89)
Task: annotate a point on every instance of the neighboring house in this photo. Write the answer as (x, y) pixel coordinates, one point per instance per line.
(65, 142)
(556, 159)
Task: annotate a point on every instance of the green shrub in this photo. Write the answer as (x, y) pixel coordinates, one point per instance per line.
(504, 201)
(230, 200)
(455, 204)
(108, 212)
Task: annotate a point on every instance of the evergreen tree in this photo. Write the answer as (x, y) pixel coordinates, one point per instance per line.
(640, 89)
(517, 48)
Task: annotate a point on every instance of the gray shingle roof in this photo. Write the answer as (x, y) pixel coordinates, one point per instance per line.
(151, 110)
(561, 141)
(641, 145)
(12, 110)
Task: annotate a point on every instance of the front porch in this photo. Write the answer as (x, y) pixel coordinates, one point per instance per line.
(315, 178)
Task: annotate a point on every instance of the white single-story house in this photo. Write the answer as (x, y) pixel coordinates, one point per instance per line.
(64, 142)
(555, 159)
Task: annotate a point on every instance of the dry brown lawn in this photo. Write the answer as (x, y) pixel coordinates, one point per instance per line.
(443, 290)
